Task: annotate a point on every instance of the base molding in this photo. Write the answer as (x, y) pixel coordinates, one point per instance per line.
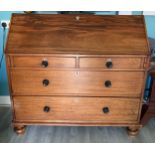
(63, 123)
(5, 101)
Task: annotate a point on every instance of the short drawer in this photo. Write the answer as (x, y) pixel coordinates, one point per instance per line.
(43, 62)
(112, 63)
(85, 83)
(75, 109)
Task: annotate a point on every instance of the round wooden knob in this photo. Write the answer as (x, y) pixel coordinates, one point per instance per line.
(44, 63)
(108, 84)
(109, 64)
(46, 109)
(45, 82)
(105, 110)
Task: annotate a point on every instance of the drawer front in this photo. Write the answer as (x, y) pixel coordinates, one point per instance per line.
(112, 63)
(72, 109)
(43, 62)
(40, 82)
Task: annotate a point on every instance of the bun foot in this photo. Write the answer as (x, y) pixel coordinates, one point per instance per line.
(133, 131)
(19, 129)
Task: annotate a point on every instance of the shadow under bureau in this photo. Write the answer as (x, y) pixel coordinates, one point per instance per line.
(83, 70)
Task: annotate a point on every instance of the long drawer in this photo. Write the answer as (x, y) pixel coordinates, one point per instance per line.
(79, 83)
(75, 109)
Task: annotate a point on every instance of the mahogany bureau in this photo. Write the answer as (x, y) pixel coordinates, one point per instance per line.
(83, 70)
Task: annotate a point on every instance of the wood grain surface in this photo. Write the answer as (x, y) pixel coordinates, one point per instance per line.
(71, 134)
(64, 34)
(117, 63)
(30, 61)
(83, 70)
(85, 83)
(72, 109)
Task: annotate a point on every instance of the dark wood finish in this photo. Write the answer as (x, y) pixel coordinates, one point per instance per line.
(80, 70)
(90, 34)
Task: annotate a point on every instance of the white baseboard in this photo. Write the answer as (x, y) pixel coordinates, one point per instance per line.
(125, 12)
(149, 13)
(5, 100)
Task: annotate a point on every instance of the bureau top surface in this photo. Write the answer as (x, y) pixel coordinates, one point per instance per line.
(77, 34)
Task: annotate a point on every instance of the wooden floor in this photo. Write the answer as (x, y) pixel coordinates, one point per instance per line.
(51, 134)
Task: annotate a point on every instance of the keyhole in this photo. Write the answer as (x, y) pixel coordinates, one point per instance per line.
(77, 18)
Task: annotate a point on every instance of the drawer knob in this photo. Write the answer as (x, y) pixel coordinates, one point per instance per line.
(108, 84)
(46, 109)
(109, 64)
(45, 82)
(44, 63)
(105, 110)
